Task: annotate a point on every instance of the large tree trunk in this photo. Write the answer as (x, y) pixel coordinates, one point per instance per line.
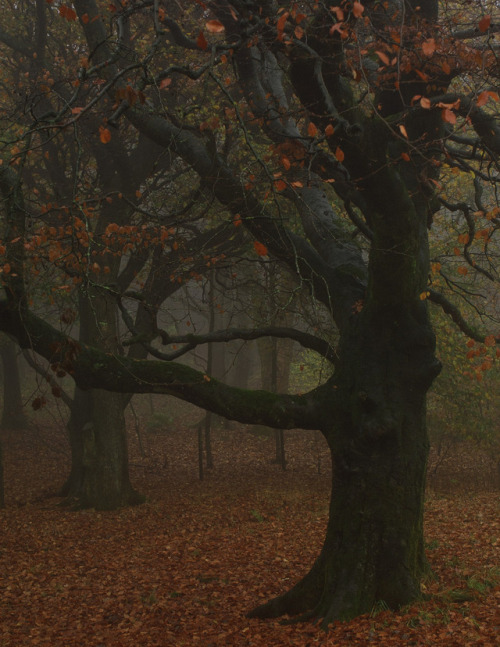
(79, 418)
(373, 550)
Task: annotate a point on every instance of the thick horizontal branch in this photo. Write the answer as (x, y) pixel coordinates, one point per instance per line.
(92, 368)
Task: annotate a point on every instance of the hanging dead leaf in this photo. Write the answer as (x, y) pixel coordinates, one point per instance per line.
(403, 131)
(104, 135)
(201, 41)
(260, 248)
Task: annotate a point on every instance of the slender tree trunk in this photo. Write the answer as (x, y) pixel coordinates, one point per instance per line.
(79, 419)
(211, 362)
(2, 491)
(374, 549)
(13, 416)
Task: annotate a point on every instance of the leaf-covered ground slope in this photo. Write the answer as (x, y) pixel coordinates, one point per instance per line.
(184, 568)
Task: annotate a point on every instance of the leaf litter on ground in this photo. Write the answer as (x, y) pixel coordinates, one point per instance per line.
(185, 567)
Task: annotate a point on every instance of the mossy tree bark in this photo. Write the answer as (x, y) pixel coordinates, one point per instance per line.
(374, 548)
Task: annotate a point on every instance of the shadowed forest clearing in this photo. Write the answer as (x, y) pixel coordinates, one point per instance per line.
(184, 568)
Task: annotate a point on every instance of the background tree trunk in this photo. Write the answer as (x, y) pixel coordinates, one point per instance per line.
(106, 484)
(2, 490)
(99, 476)
(13, 416)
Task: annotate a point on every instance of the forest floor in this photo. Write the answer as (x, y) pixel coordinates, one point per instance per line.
(184, 568)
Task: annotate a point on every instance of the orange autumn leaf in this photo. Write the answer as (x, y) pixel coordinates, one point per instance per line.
(422, 75)
(405, 157)
(329, 130)
(286, 162)
(67, 12)
(357, 9)
(104, 135)
(299, 32)
(214, 26)
(425, 103)
(165, 83)
(339, 154)
(280, 185)
(260, 248)
(280, 25)
(490, 341)
(311, 129)
(484, 96)
(449, 116)
(429, 46)
(383, 57)
(484, 24)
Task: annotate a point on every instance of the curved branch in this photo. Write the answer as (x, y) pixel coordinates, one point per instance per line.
(455, 314)
(306, 340)
(53, 383)
(464, 208)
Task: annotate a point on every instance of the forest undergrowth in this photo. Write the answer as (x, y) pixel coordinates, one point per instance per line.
(184, 568)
